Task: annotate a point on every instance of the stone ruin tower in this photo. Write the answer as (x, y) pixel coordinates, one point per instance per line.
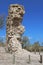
(14, 29)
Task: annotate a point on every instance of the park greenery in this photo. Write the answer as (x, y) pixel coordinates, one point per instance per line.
(31, 47)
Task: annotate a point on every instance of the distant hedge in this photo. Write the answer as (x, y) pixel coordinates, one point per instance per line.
(2, 44)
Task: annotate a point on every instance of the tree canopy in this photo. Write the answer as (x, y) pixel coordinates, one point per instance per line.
(1, 21)
(25, 41)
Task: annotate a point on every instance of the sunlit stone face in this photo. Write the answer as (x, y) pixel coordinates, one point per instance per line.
(14, 29)
(16, 11)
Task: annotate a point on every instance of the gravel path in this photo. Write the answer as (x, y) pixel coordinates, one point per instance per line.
(19, 58)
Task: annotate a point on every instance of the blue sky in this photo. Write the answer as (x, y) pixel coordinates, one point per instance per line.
(33, 18)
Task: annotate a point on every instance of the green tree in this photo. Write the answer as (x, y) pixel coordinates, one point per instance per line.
(1, 21)
(1, 26)
(36, 46)
(25, 42)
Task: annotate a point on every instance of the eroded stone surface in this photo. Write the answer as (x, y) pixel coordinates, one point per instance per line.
(14, 28)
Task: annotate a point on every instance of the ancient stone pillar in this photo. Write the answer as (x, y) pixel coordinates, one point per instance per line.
(14, 29)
